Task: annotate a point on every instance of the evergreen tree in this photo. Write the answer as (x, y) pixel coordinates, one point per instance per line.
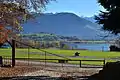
(110, 19)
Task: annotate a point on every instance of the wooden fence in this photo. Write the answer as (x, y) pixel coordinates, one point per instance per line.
(61, 60)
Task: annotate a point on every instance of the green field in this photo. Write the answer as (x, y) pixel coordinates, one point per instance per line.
(34, 53)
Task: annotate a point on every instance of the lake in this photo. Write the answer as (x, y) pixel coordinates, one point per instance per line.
(96, 47)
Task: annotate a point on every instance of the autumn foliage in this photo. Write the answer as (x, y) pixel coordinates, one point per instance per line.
(13, 13)
(3, 34)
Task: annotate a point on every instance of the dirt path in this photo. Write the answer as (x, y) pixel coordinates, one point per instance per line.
(51, 71)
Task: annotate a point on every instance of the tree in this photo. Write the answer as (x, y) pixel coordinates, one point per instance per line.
(29, 4)
(13, 13)
(110, 19)
(3, 34)
(11, 16)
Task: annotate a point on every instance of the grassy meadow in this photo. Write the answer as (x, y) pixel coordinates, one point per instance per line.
(34, 53)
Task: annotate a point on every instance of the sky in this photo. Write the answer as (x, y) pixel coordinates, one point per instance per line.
(86, 8)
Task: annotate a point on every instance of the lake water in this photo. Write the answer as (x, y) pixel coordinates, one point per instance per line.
(96, 47)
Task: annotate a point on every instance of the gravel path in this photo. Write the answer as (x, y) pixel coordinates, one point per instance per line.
(45, 73)
(53, 70)
(58, 72)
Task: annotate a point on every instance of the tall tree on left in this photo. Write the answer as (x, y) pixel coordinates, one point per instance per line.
(15, 12)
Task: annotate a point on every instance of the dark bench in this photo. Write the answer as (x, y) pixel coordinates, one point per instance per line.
(1, 61)
(76, 54)
(62, 61)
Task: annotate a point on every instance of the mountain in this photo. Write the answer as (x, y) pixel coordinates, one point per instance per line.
(90, 19)
(65, 24)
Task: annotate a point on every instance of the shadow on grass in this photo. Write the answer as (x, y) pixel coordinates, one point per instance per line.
(45, 78)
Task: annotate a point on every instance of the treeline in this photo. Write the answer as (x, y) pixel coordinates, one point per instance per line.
(48, 37)
(42, 44)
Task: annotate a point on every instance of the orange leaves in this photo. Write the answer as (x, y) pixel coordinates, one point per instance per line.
(3, 34)
(11, 17)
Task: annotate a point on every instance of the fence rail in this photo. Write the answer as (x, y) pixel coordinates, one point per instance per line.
(65, 61)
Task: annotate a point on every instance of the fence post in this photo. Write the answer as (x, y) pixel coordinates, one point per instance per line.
(45, 58)
(1, 61)
(13, 53)
(102, 48)
(28, 55)
(80, 63)
(104, 62)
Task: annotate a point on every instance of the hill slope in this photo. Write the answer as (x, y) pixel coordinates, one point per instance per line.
(66, 24)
